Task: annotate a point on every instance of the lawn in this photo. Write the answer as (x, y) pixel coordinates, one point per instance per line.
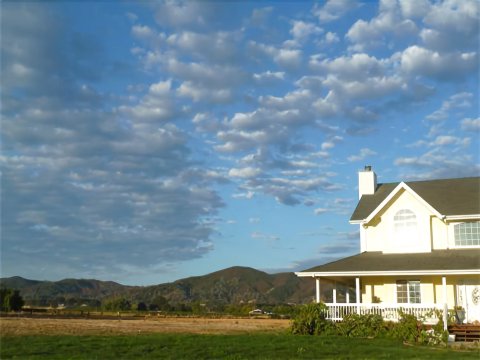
(196, 346)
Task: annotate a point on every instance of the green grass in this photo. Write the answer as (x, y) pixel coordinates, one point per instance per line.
(186, 346)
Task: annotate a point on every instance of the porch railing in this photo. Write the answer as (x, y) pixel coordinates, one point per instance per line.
(390, 312)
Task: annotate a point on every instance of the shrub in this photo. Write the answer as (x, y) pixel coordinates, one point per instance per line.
(311, 320)
(368, 325)
(407, 329)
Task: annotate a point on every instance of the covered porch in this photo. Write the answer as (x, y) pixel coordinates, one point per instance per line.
(343, 301)
(428, 285)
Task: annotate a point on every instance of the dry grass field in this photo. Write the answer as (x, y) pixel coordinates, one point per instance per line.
(57, 326)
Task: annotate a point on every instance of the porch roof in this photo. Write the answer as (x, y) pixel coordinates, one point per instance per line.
(458, 261)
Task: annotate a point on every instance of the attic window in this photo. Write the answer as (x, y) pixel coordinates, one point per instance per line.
(467, 234)
(405, 225)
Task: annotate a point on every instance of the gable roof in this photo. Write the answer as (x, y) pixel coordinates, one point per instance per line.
(448, 197)
(459, 261)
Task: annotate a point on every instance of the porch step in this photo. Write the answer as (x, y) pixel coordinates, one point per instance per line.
(465, 332)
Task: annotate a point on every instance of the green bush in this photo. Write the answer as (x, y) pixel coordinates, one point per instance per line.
(311, 320)
(369, 325)
(407, 329)
(410, 329)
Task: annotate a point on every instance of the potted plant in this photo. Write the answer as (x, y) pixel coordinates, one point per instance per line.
(459, 314)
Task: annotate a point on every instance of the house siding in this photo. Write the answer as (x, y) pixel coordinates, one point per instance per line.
(431, 288)
(380, 234)
(439, 234)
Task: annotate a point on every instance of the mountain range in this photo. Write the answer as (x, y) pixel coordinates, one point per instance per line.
(233, 285)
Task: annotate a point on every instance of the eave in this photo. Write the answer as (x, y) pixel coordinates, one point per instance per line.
(462, 217)
(387, 273)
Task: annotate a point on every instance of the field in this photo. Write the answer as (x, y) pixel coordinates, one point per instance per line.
(192, 338)
(147, 325)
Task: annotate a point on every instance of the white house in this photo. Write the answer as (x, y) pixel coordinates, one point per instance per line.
(420, 251)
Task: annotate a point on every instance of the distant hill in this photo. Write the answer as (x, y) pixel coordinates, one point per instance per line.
(229, 286)
(46, 292)
(234, 285)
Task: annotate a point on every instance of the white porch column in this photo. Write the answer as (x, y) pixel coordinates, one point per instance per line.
(347, 295)
(334, 292)
(445, 303)
(357, 293)
(317, 297)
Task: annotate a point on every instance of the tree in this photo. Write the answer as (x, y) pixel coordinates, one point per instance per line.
(160, 303)
(11, 300)
(141, 306)
(117, 304)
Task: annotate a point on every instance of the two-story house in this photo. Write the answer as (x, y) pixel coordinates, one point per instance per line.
(419, 251)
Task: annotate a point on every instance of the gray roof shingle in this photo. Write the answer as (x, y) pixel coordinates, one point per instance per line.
(455, 259)
(448, 196)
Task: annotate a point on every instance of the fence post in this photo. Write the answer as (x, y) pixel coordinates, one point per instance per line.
(357, 293)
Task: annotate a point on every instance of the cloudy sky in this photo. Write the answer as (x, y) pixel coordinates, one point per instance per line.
(143, 142)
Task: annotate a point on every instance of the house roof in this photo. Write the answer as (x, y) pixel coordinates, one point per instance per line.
(449, 197)
(459, 261)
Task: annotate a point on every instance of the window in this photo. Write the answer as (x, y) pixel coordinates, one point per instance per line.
(405, 225)
(408, 292)
(467, 234)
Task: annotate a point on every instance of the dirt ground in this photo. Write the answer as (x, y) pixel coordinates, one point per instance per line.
(51, 326)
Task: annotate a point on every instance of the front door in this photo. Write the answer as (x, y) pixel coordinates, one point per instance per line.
(468, 296)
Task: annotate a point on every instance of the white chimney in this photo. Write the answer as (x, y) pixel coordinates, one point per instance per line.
(367, 181)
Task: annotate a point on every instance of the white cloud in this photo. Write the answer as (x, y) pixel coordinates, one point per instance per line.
(246, 195)
(416, 60)
(161, 88)
(202, 93)
(371, 88)
(437, 164)
(246, 172)
(320, 211)
(461, 100)
(157, 104)
(355, 67)
(218, 47)
(301, 30)
(414, 8)
(259, 16)
(333, 9)
(453, 26)
(469, 124)
(364, 153)
(331, 38)
(443, 140)
(216, 76)
(263, 236)
(142, 32)
(288, 58)
(269, 77)
(285, 57)
(184, 14)
(389, 22)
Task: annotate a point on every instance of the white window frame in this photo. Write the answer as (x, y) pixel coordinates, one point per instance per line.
(408, 283)
(451, 236)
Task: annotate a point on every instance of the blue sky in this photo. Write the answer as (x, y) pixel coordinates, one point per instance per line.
(143, 142)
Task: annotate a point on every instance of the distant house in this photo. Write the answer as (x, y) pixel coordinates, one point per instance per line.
(256, 312)
(420, 251)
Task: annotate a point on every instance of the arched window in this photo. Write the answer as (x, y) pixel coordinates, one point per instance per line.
(405, 225)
